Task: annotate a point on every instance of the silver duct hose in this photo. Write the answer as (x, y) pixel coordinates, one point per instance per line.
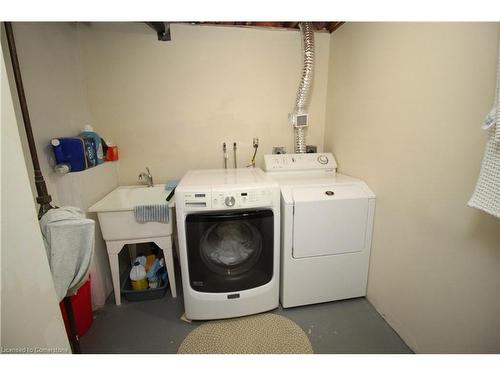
(300, 139)
(302, 100)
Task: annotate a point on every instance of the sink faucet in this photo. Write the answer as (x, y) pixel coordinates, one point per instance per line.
(146, 177)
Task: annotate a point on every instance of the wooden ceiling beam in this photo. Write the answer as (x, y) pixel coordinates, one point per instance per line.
(334, 26)
(163, 28)
(291, 25)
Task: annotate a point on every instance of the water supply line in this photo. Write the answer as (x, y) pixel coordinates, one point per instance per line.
(299, 118)
(234, 155)
(224, 154)
(255, 148)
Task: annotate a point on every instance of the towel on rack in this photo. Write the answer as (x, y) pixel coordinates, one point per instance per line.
(69, 243)
(152, 212)
(486, 195)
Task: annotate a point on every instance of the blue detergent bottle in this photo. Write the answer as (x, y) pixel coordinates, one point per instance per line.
(88, 132)
(70, 152)
(90, 151)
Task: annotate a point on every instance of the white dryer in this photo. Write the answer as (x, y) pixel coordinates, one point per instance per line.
(228, 223)
(326, 229)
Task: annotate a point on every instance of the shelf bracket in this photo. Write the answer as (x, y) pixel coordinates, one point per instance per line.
(162, 30)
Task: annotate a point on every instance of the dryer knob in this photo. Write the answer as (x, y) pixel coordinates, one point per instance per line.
(230, 201)
(323, 159)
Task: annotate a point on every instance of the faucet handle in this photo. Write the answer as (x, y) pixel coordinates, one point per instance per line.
(148, 170)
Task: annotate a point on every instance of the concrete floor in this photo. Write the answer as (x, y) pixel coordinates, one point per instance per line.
(349, 326)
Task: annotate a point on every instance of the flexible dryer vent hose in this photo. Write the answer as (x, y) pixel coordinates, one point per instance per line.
(302, 101)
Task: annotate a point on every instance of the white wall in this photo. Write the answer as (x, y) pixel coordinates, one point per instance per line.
(31, 320)
(405, 102)
(171, 105)
(49, 58)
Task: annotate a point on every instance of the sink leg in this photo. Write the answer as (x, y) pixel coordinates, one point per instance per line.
(165, 243)
(113, 251)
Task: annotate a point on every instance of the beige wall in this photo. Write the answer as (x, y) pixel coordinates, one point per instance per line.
(30, 316)
(49, 57)
(170, 105)
(405, 102)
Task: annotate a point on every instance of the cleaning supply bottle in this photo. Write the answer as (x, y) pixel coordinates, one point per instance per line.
(150, 259)
(152, 274)
(90, 152)
(138, 277)
(88, 132)
(111, 152)
(70, 152)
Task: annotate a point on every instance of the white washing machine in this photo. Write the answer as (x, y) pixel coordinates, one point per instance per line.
(326, 229)
(228, 223)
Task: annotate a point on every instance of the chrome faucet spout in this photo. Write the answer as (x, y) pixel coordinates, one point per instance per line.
(146, 178)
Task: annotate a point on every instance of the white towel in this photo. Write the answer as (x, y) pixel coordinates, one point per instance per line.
(151, 212)
(69, 242)
(486, 195)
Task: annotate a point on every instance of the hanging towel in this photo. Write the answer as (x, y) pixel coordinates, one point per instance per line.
(171, 184)
(486, 195)
(151, 212)
(69, 243)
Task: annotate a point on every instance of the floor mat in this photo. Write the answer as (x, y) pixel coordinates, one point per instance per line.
(256, 334)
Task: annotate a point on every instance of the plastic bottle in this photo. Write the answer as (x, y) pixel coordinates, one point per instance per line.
(138, 277)
(70, 151)
(111, 152)
(90, 153)
(88, 132)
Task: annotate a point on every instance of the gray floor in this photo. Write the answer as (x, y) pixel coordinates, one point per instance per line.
(350, 326)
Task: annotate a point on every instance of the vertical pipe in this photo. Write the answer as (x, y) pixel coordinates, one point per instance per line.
(74, 339)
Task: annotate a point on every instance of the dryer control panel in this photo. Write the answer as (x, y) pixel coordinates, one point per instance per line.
(300, 162)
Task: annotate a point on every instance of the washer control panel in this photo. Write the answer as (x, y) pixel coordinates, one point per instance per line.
(197, 200)
(241, 198)
(228, 199)
(300, 162)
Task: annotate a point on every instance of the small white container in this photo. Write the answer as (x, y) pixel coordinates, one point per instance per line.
(138, 277)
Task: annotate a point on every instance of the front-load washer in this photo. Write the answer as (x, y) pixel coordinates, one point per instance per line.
(326, 229)
(228, 223)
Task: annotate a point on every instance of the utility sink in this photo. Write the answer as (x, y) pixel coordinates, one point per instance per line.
(116, 213)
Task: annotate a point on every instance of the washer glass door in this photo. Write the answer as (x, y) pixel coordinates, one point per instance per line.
(230, 251)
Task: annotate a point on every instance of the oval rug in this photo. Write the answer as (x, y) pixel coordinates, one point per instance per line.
(256, 334)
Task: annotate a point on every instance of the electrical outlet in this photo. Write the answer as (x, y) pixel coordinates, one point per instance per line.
(310, 149)
(279, 150)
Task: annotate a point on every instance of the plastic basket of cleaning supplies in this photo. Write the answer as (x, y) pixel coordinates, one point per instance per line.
(141, 295)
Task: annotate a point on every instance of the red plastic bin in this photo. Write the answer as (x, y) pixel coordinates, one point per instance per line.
(82, 310)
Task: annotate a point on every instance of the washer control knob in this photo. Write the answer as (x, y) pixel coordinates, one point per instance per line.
(230, 201)
(323, 159)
